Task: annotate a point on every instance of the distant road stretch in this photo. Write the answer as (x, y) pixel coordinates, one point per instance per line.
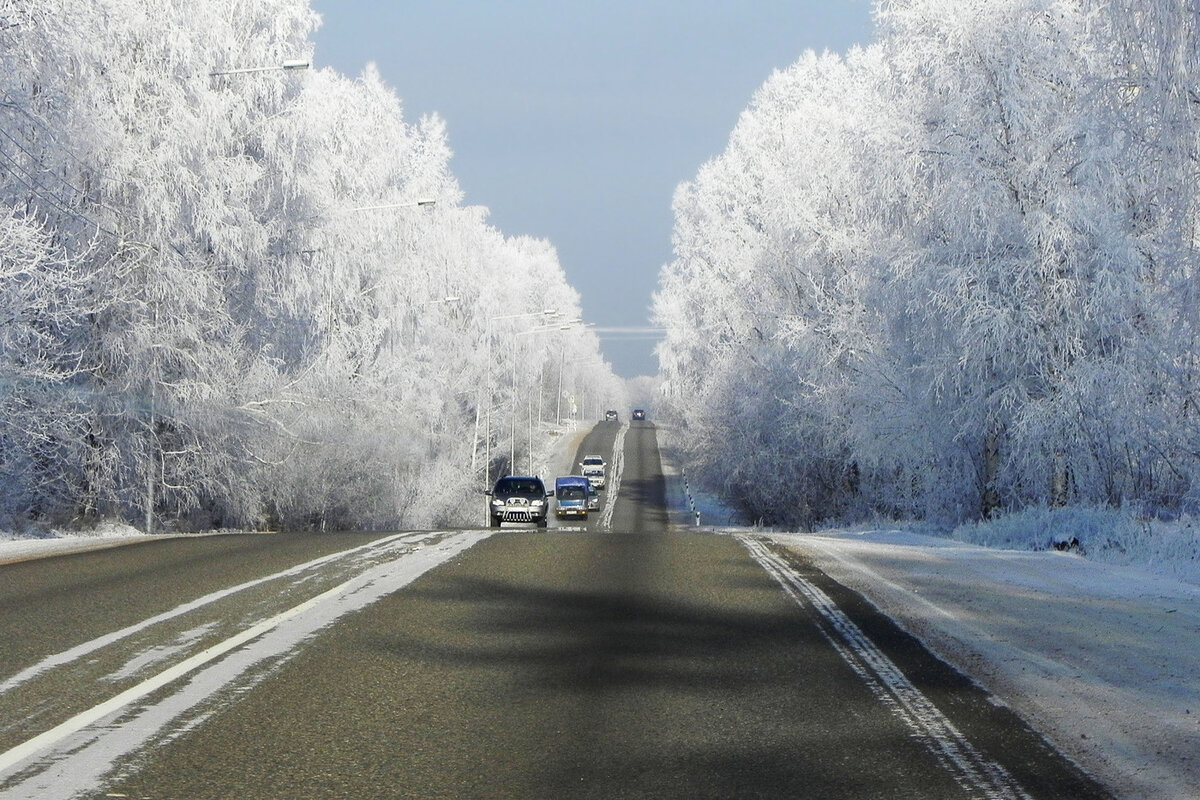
(613, 659)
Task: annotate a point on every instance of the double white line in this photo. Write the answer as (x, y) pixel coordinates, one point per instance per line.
(974, 772)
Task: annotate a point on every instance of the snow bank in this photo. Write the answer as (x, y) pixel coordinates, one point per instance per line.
(19, 547)
(1101, 534)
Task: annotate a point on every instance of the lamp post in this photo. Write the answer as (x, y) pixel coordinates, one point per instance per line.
(562, 358)
(155, 463)
(288, 64)
(548, 313)
(563, 326)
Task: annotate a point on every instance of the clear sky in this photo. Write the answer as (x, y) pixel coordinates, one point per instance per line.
(574, 120)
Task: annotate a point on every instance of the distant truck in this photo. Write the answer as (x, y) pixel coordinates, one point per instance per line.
(592, 468)
(572, 494)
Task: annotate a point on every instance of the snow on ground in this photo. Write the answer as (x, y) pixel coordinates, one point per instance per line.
(1100, 658)
(15, 547)
(555, 454)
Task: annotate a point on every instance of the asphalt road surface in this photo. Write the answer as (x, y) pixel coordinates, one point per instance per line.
(624, 660)
(634, 475)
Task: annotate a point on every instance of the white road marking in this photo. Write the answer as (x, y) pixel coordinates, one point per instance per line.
(74, 756)
(614, 479)
(929, 725)
(87, 648)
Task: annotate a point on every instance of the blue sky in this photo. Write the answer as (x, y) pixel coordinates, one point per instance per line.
(574, 121)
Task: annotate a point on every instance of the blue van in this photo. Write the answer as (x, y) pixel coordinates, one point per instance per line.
(571, 496)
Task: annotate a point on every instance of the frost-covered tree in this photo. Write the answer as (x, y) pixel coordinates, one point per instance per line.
(223, 305)
(954, 268)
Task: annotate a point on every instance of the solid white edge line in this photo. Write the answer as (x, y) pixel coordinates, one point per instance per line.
(888, 682)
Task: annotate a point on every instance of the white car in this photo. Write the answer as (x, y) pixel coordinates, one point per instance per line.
(592, 468)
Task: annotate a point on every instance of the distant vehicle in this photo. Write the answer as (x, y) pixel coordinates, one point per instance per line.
(639, 413)
(592, 468)
(518, 498)
(593, 500)
(571, 496)
(610, 416)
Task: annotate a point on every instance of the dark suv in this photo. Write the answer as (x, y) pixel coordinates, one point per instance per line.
(518, 498)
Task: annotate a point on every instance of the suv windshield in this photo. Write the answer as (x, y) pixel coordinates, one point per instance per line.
(519, 486)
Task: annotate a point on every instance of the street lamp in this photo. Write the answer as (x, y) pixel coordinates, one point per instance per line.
(562, 326)
(154, 454)
(419, 203)
(562, 358)
(289, 64)
(549, 313)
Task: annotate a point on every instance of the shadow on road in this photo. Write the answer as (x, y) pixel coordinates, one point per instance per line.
(644, 665)
(668, 665)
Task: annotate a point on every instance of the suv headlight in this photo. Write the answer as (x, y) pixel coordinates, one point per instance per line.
(497, 502)
(537, 503)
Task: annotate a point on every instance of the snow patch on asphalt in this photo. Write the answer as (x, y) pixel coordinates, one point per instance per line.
(613, 479)
(77, 755)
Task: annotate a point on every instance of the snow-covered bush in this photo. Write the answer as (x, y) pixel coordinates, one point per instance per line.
(1101, 533)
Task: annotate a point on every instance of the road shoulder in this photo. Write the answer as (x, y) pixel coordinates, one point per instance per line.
(1097, 658)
